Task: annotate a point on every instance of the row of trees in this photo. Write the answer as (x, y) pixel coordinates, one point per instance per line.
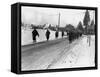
(88, 27)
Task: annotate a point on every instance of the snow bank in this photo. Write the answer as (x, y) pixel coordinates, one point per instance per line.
(26, 36)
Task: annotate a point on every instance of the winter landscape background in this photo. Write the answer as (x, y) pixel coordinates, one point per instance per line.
(57, 53)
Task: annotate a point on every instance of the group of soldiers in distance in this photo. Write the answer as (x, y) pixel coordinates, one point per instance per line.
(71, 34)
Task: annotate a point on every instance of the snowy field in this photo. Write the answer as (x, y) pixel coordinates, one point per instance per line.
(26, 36)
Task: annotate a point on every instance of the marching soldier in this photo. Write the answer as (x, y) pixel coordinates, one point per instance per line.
(62, 34)
(47, 34)
(56, 34)
(34, 34)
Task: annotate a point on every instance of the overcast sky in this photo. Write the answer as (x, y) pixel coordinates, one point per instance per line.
(40, 15)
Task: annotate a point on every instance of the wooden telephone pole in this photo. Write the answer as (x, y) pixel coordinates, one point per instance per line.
(59, 20)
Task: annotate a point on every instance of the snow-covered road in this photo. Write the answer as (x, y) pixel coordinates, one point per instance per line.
(81, 55)
(59, 54)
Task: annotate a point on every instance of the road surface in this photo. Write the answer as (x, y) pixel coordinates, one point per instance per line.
(44, 54)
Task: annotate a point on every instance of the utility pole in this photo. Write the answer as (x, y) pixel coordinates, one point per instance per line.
(59, 20)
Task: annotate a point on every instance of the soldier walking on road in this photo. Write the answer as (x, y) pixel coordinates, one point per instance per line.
(34, 34)
(56, 34)
(47, 34)
(70, 34)
(62, 34)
